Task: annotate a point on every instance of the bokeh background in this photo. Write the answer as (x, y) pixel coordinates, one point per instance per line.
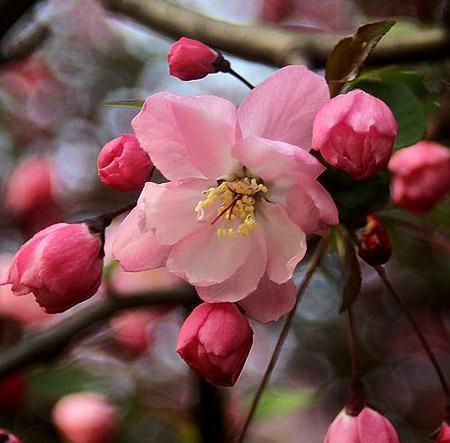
(54, 121)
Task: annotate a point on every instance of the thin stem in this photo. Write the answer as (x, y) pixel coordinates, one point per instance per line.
(102, 221)
(313, 264)
(356, 373)
(239, 77)
(426, 346)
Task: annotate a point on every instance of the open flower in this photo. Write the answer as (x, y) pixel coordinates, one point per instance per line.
(243, 191)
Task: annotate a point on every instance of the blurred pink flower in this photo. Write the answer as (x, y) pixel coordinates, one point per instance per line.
(420, 175)
(61, 265)
(10, 437)
(355, 132)
(190, 59)
(368, 426)
(123, 165)
(86, 417)
(243, 192)
(215, 340)
(444, 434)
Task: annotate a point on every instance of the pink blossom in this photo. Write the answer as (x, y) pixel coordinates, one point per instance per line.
(243, 190)
(368, 426)
(61, 265)
(10, 437)
(190, 59)
(420, 175)
(355, 132)
(86, 417)
(215, 340)
(444, 434)
(123, 165)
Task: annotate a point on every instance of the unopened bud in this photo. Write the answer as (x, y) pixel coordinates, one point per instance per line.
(374, 246)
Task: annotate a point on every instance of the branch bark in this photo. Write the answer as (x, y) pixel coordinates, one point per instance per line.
(53, 342)
(270, 44)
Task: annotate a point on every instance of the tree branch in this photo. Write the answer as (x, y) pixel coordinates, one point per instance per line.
(53, 342)
(270, 44)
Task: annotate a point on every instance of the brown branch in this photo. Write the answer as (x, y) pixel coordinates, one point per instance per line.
(270, 44)
(50, 344)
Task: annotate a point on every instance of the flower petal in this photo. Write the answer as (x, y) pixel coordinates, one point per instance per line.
(311, 206)
(283, 106)
(137, 248)
(268, 159)
(169, 208)
(284, 239)
(204, 259)
(188, 136)
(244, 280)
(270, 301)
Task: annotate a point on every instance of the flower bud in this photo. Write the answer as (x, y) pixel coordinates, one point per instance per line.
(190, 59)
(12, 392)
(444, 434)
(420, 175)
(367, 426)
(86, 417)
(61, 265)
(374, 246)
(6, 437)
(355, 132)
(123, 164)
(215, 341)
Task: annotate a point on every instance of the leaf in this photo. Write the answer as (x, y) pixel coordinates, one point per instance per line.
(406, 106)
(346, 59)
(137, 103)
(351, 272)
(280, 402)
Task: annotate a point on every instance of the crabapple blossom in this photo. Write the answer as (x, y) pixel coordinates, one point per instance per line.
(243, 191)
(444, 434)
(420, 175)
(215, 341)
(374, 246)
(123, 165)
(7, 437)
(368, 426)
(86, 417)
(191, 60)
(355, 132)
(61, 265)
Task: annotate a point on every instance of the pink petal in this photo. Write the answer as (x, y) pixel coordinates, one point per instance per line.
(268, 159)
(169, 208)
(311, 206)
(285, 241)
(204, 259)
(135, 247)
(245, 280)
(283, 106)
(374, 427)
(188, 136)
(270, 301)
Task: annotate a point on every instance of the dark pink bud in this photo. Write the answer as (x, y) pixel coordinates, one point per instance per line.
(444, 434)
(61, 265)
(123, 165)
(6, 437)
(12, 392)
(190, 59)
(420, 175)
(86, 417)
(215, 341)
(368, 426)
(355, 132)
(374, 246)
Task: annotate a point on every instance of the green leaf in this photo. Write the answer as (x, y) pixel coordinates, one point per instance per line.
(351, 272)
(137, 103)
(348, 56)
(282, 401)
(404, 103)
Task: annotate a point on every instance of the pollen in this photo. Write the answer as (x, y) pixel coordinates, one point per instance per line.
(234, 204)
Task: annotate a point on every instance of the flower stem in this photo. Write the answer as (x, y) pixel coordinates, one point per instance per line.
(426, 346)
(313, 264)
(239, 77)
(100, 222)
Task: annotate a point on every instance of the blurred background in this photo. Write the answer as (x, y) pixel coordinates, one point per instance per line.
(54, 121)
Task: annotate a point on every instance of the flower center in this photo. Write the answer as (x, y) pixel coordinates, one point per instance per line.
(234, 202)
